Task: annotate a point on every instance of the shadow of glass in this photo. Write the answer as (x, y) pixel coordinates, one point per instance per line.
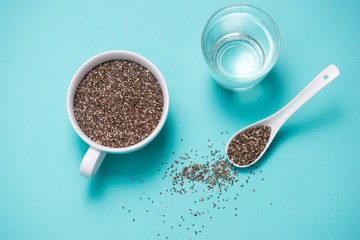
(263, 98)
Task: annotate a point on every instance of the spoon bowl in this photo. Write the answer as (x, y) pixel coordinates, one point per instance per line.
(276, 120)
(265, 122)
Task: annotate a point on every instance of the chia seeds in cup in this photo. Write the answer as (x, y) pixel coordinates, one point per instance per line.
(118, 103)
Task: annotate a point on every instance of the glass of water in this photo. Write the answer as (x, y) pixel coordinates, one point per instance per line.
(241, 44)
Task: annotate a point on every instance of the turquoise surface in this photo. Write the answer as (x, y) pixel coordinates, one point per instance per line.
(311, 173)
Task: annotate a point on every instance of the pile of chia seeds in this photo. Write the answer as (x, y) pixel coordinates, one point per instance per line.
(246, 147)
(118, 103)
(216, 173)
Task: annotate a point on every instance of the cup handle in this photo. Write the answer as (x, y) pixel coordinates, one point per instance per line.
(91, 162)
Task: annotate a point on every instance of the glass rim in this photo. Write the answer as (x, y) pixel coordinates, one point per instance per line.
(263, 71)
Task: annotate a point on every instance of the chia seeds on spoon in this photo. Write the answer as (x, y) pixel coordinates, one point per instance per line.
(246, 147)
(118, 103)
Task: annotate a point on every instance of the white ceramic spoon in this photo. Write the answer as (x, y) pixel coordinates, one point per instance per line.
(276, 120)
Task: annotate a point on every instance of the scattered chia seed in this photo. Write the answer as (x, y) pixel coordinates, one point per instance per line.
(209, 179)
(246, 147)
(118, 103)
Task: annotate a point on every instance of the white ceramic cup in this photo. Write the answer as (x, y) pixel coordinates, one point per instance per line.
(96, 153)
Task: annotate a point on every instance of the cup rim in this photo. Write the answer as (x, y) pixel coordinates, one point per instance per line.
(254, 77)
(104, 57)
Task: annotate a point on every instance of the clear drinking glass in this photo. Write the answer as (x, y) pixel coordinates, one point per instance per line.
(241, 44)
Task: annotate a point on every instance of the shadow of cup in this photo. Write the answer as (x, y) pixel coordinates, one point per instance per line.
(139, 164)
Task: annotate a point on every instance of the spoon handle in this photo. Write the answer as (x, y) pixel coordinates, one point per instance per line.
(321, 80)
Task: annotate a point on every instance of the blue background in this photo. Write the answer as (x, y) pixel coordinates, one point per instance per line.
(311, 173)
